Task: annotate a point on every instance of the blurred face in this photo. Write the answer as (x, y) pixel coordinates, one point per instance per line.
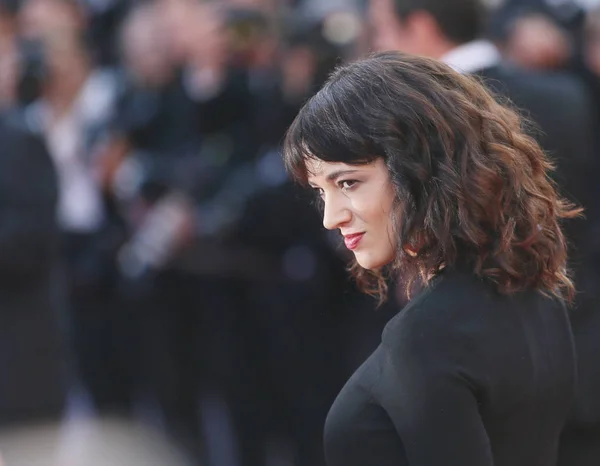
(536, 42)
(359, 201)
(387, 32)
(67, 62)
(196, 32)
(40, 18)
(418, 33)
(145, 50)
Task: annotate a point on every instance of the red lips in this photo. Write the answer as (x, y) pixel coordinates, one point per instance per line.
(351, 241)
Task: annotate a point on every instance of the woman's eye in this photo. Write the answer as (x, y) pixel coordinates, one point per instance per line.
(319, 192)
(347, 184)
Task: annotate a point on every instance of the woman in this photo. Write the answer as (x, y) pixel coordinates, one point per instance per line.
(427, 176)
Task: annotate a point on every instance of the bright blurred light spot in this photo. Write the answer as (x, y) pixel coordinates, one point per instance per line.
(341, 27)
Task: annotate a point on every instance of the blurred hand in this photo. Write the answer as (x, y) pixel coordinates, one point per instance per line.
(109, 158)
(197, 34)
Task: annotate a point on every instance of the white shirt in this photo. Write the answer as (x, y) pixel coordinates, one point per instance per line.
(80, 206)
(472, 56)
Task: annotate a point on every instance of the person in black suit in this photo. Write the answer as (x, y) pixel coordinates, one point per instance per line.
(562, 109)
(32, 367)
(426, 175)
(451, 31)
(558, 104)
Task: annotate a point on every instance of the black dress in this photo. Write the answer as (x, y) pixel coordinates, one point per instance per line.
(463, 376)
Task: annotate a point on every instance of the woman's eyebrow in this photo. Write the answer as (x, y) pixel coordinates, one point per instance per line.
(336, 174)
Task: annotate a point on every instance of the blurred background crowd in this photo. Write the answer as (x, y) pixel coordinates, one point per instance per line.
(157, 265)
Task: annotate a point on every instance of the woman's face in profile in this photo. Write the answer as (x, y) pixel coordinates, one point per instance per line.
(358, 200)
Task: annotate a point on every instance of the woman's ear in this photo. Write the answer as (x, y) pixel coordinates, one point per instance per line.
(410, 250)
(413, 247)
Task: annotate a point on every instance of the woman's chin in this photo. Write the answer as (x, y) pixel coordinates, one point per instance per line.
(370, 262)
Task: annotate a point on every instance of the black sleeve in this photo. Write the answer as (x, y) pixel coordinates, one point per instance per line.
(429, 389)
(28, 195)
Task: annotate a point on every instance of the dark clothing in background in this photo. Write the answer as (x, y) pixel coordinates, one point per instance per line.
(299, 311)
(464, 376)
(33, 384)
(191, 311)
(170, 118)
(561, 108)
(155, 119)
(100, 330)
(185, 140)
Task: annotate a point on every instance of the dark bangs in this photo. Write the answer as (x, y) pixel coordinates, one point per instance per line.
(330, 127)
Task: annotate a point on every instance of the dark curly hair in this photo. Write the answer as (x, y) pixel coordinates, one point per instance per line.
(473, 188)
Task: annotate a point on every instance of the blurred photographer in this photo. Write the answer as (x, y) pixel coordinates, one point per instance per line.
(179, 138)
(33, 382)
(69, 100)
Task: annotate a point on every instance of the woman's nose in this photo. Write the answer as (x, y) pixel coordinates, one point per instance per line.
(336, 212)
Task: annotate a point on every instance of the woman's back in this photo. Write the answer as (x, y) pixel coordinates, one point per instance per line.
(464, 376)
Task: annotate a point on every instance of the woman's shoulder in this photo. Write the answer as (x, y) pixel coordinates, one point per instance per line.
(451, 295)
(462, 313)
